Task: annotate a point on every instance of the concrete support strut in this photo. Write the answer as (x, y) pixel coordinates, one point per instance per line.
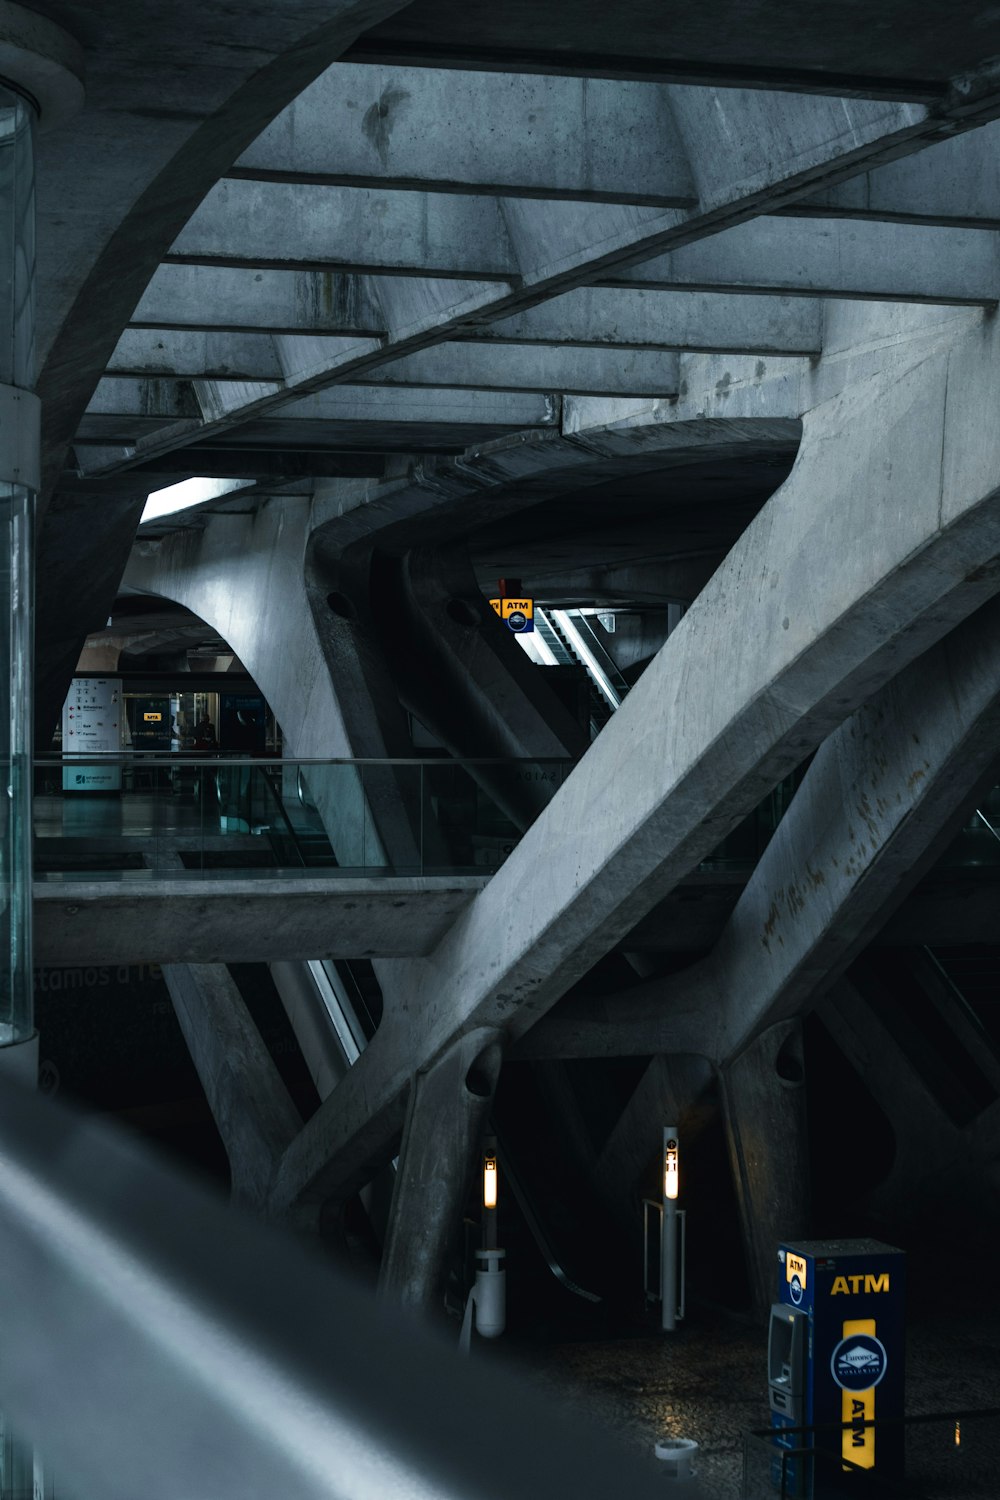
(780, 656)
(882, 795)
(448, 1108)
(249, 1102)
(764, 1098)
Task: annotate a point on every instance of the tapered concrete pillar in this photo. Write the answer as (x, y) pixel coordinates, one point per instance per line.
(249, 1102)
(449, 1104)
(764, 1099)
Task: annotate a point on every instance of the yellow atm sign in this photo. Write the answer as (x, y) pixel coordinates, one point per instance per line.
(517, 614)
(795, 1265)
(152, 718)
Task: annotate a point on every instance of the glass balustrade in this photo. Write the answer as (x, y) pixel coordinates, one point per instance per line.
(179, 816)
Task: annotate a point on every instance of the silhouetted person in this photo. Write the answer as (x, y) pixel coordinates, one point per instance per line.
(204, 736)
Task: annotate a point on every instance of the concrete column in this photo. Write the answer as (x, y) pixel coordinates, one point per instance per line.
(449, 1103)
(250, 1104)
(763, 1094)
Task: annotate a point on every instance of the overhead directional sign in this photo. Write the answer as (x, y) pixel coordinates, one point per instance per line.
(517, 614)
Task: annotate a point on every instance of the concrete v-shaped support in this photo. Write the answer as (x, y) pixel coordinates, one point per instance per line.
(886, 535)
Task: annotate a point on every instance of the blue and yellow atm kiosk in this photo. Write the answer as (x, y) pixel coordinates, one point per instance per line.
(835, 1355)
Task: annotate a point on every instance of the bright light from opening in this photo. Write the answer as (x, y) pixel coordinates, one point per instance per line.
(489, 1182)
(189, 492)
(670, 1170)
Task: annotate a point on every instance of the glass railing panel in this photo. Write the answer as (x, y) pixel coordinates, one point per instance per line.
(175, 816)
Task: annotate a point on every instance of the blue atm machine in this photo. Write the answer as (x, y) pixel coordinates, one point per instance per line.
(835, 1355)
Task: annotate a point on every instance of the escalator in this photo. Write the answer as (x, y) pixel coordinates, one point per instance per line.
(566, 637)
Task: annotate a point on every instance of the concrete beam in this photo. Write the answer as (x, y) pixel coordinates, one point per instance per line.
(280, 226)
(770, 154)
(832, 258)
(664, 319)
(778, 667)
(249, 1102)
(231, 298)
(879, 800)
(956, 182)
(764, 1107)
(449, 131)
(598, 317)
(291, 226)
(447, 1113)
(232, 920)
(533, 367)
(122, 405)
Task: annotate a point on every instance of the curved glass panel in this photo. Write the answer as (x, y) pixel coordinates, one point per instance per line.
(17, 242)
(16, 1002)
(17, 368)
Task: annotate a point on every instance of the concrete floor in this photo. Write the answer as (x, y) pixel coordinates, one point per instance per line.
(707, 1382)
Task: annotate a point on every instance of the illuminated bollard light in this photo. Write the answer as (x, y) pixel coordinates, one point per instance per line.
(486, 1308)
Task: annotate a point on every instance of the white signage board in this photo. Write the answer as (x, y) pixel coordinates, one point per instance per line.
(91, 728)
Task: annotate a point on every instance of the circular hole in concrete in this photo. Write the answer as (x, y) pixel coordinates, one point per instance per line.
(463, 613)
(341, 605)
(788, 1063)
(478, 1080)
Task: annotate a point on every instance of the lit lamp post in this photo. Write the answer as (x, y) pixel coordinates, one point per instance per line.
(486, 1308)
(490, 1197)
(672, 1240)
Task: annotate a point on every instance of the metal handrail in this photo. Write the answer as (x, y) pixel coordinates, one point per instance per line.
(157, 1343)
(185, 758)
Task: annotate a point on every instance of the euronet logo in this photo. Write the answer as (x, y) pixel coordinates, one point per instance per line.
(857, 1360)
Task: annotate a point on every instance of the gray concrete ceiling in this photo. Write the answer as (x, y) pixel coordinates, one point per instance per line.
(278, 266)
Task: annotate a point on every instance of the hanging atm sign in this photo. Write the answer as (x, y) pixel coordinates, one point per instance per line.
(517, 614)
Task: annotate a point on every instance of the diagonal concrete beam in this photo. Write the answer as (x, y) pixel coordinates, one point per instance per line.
(598, 317)
(781, 653)
(882, 794)
(249, 1102)
(749, 153)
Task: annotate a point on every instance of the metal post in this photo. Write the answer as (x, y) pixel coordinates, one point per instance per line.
(668, 1241)
(489, 1212)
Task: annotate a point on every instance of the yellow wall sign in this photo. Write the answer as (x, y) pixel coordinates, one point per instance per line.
(518, 614)
(152, 718)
